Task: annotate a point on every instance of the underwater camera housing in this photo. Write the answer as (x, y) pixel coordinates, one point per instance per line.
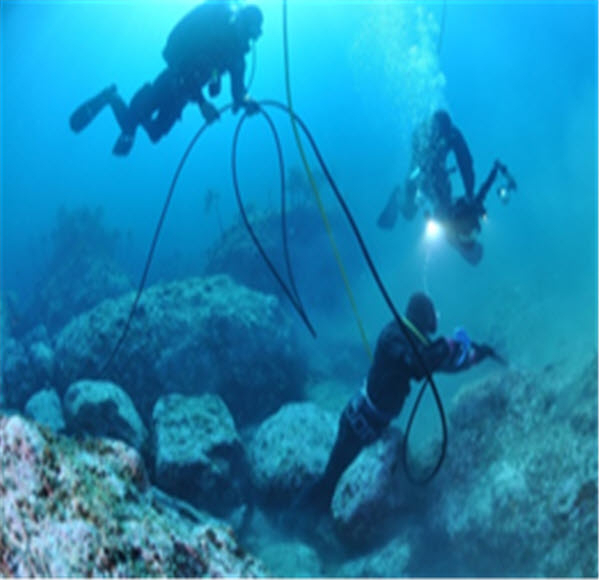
(507, 185)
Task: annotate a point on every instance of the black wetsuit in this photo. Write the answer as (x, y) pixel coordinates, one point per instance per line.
(201, 47)
(370, 411)
(428, 171)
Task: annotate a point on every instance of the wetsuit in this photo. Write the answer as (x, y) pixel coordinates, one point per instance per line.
(370, 411)
(431, 146)
(209, 41)
(201, 47)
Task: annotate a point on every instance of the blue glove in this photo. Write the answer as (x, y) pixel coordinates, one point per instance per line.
(461, 336)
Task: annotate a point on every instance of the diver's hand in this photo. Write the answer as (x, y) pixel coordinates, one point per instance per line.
(483, 351)
(209, 112)
(251, 107)
(460, 336)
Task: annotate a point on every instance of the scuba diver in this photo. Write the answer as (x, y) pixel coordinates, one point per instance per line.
(385, 390)
(210, 40)
(429, 183)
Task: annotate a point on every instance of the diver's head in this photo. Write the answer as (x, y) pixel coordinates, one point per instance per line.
(441, 123)
(421, 313)
(249, 19)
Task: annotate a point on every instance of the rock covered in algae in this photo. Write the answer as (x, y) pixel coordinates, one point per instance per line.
(86, 509)
(190, 336)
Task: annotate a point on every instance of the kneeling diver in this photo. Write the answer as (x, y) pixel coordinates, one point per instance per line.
(382, 398)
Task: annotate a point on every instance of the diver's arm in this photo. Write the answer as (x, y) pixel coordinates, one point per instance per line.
(208, 110)
(196, 94)
(464, 353)
(486, 186)
(464, 159)
(393, 342)
(237, 72)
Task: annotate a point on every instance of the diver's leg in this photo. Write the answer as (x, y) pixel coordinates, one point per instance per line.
(409, 207)
(140, 109)
(124, 116)
(388, 216)
(168, 106)
(88, 111)
(347, 446)
(143, 105)
(160, 124)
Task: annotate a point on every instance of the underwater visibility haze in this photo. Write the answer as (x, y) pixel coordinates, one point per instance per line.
(192, 448)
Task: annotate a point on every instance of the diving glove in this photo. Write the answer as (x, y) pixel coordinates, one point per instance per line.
(209, 112)
(461, 337)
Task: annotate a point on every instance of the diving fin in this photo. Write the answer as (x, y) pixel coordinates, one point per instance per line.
(87, 112)
(123, 144)
(388, 216)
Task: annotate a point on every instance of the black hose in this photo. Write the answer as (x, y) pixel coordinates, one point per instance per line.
(294, 299)
(381, 286)
(291, 294)
(157, 231)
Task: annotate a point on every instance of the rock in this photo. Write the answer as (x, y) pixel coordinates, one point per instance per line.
(41, 356)
(519, 479)
(292, 559)
(103, 409)
(312, 259)
(191, 336)
(44, 407)
(290, 450)
(18, 383)
(389, 561)
(81, 268)
(199, 456)
(27, 366)
(77, 285)
(86, 510)
(373, 493)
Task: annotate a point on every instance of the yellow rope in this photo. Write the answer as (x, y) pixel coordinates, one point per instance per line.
(425, 341)
(323, 214)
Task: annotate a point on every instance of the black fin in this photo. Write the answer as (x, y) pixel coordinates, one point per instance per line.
(388, 216)
(87, 112)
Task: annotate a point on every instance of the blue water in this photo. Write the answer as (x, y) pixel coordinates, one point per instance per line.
(519, 79)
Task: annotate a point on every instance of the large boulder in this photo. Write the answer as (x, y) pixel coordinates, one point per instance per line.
(292, 559)
(103, 409)
(520, 476)
(373, 493)
(389, 561)
(190, 336)
(86, 510)
(199, 456)
(289, 451)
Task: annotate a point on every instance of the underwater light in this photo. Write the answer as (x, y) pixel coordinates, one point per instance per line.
(504, 194)
(433, 229)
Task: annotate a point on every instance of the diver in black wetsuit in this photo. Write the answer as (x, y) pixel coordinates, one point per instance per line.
(429, 183)
(370, 411)
(210, 40)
